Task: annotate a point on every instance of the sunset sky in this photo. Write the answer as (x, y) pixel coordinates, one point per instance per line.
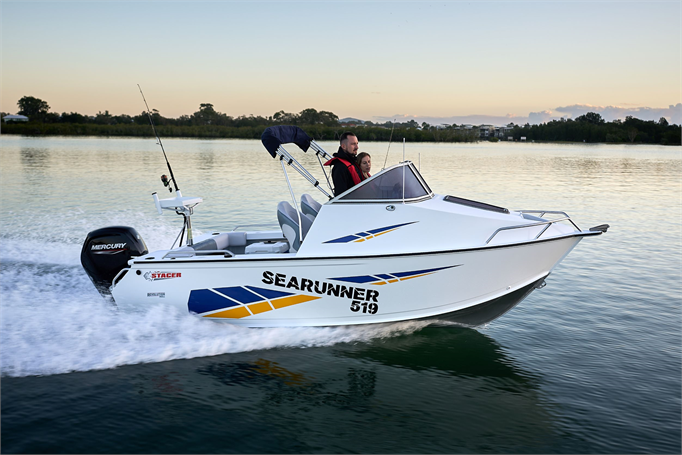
(440, 62)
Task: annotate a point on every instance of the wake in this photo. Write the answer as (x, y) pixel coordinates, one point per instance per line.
(53, 320)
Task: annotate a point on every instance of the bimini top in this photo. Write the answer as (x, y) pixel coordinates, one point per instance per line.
(401, 182)
(275, 136)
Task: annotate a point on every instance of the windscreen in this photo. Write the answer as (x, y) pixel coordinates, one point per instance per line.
(389, 185)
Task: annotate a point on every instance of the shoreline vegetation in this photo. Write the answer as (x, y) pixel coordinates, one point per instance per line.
(207, 123)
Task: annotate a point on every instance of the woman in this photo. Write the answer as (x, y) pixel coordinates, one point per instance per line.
(364, 162)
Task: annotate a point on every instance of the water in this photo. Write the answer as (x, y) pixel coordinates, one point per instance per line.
(589, 364)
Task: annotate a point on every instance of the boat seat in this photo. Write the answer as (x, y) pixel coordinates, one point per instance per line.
(222, 241)
(310, 206)
(288, 221)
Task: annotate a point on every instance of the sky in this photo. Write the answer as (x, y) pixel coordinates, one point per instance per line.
(441, 62)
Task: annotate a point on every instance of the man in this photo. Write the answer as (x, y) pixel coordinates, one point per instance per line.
(344, 171)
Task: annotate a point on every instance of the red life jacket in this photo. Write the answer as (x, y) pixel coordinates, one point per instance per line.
(351, 168)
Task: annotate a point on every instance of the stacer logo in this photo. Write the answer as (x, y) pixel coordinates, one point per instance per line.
(154, 276)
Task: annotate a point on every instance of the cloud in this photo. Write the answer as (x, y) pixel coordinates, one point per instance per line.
(475, 119)
(672, 113)
(676, 114)
(540, 117)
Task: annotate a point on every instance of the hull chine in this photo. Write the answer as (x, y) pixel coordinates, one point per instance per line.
(487, 312)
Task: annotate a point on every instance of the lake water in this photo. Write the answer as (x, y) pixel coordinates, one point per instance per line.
(588, 364)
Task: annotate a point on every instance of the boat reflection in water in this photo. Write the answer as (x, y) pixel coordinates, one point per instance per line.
(436, 390)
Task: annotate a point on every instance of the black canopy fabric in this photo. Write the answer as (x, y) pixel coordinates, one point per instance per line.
(275, 136)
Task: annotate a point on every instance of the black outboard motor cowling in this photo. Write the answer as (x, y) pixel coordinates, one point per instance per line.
(106, 252)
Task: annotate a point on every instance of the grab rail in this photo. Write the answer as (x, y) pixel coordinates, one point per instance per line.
(543, 212)
(551, 212)
(547, 224)
(274, 225)
(191, 254)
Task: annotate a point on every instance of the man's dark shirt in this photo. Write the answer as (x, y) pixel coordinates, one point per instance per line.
(340, 173)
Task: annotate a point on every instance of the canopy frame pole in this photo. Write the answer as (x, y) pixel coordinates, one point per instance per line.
(302, 170)
(291, 161)
(293, 198)
(320, 151)
(325, 172)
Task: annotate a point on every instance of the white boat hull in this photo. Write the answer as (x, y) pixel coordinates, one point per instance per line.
(387, 249)
(290, 291)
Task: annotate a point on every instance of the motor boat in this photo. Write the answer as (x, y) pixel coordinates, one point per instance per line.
(388, 249)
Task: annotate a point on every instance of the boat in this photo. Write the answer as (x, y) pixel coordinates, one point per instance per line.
(388, 249)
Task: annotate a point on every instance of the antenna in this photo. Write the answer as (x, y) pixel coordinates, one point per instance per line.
(403, 163)
(389, 144)
(158, 139)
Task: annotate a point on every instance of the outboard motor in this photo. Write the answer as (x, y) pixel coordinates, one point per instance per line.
(106, 252)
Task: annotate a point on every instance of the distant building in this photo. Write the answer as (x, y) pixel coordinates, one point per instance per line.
(15, 118)
(502, 131)
(486, 131)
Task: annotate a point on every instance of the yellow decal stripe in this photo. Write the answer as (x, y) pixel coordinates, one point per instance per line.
(381, 283)
(260, 307)
(371, 236)
(293, 300)
(232, 313)
(415, 276)
(385, 232)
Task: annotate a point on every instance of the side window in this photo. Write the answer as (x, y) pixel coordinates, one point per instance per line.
(389, 185)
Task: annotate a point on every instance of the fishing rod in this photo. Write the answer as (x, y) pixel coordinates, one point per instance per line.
(164, 179)
(184, 208)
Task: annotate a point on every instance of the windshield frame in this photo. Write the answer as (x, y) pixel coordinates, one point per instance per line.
(429, 194)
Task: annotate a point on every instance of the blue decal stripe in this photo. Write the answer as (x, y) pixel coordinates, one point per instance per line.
(369, 232)
(239, 294)
(269, 294)
(376, 231)
(355, 279)
(254, 300)
(385, 276)
(204, 300)
(419, 272)
(346, 239)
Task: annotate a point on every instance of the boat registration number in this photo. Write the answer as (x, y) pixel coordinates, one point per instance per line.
(366, 307)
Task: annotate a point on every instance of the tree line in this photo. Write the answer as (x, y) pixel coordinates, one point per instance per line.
(591, 127)
(324, 125)
(38, 111)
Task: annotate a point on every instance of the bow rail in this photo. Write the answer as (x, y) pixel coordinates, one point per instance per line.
(547, 223)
